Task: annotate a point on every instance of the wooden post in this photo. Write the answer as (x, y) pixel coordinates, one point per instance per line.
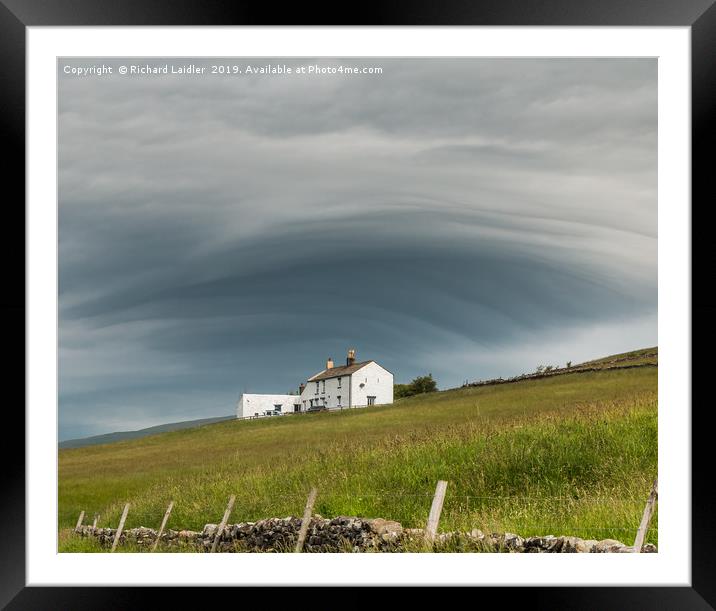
(164, 523)
(646, 518)
(307, 512)
(222, 526)
(120, 527)
(431, 529)
(79, 520)
(94, 524)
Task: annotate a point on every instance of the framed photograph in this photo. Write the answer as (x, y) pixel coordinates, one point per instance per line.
(393, 296)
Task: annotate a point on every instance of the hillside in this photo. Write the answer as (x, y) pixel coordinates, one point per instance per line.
(569, 454)
(152, 430)
(638, 358)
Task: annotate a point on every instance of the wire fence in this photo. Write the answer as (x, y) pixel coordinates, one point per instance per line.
(477, 510)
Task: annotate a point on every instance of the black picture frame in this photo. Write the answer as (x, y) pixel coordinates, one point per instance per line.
(17, 15)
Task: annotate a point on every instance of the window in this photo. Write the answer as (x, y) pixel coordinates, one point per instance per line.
(297, 408)
(338, 398)
(278, 406)
(339, 382)
(324, 386)
(316, 387)
(371, 400)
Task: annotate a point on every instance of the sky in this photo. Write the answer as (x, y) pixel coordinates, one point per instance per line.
(469, 218)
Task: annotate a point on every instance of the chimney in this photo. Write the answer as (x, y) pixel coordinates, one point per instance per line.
(329, 363)
(301, 388)
(351, 357)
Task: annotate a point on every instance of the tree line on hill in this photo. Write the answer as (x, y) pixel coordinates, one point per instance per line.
(418, 386)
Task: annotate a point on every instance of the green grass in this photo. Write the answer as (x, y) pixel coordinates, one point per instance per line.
(636, 357)
(571, 455)
(75, 544)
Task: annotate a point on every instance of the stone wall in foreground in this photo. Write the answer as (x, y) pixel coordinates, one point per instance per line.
(350, 534)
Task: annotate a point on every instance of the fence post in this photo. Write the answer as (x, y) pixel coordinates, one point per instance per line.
(307, 512)
(646, 518)
(164, 523)
(94, 524)
(224, 520)
(431, 529)
(120, 527)
(79, 520)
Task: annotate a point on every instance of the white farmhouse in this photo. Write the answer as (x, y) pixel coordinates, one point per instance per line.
(350, 385)
(353, 385)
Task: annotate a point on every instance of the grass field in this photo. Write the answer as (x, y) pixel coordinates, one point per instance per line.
(574, 454)
(636, 357)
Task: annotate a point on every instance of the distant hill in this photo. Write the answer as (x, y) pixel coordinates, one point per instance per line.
(152, 430)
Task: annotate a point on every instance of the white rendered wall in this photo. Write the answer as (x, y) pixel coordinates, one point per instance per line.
(249, 405)
(376, 382)
(309, 393)
(328, 390)
(333, 391)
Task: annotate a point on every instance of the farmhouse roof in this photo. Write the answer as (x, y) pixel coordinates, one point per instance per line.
(335, 372)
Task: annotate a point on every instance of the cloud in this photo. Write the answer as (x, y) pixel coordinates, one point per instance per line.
(217, 234)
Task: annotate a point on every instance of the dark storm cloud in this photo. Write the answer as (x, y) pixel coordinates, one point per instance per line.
(465, 217)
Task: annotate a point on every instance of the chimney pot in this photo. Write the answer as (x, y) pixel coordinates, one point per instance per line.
(351, 357)
(329, 363)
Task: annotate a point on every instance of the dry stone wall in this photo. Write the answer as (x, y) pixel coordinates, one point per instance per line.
(349, 534)
(557, 372)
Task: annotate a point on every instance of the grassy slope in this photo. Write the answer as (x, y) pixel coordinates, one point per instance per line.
(152, 430)
(579, 450)
(636, 357)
